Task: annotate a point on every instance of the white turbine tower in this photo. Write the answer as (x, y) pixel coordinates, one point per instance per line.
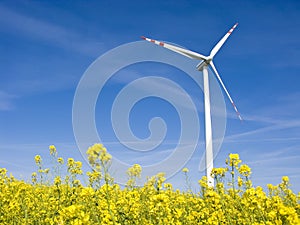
(202, 66)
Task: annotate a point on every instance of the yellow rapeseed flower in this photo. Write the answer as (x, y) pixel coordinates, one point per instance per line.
(135, 171)
(234, 160)
(57, 180)
(285, 179)
(185, 170)
(60, 160)
(218, 172)
(52, 149)
(38, 159)
(245, 170)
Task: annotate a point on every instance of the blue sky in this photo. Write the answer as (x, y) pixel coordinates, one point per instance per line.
(47, 46)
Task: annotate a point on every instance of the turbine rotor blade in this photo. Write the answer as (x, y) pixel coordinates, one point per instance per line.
(182, 51)
(221, 42)
(220, 80)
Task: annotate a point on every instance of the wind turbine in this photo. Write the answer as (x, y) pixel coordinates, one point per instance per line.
(202, 66)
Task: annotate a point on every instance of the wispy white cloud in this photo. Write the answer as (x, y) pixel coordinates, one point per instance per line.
(35, 73)
(21, 24)
(277, 116)
(6, 163)
(278, 126)
(6, 101)
(282, 155)
(159, 86)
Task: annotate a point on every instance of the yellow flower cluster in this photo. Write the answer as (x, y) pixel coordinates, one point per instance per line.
(134, 173)
(218, 172)
(245, 170)
(234, 160)
(99, 160)
(63, 202)
(52, 149)
(98, 155)
(38, 159)
(185, 170)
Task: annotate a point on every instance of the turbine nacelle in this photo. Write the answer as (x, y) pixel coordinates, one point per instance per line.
(202, 64)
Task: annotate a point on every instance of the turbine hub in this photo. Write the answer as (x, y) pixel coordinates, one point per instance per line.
(202, 64)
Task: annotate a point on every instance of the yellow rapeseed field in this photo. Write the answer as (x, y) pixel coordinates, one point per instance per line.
(51, 198)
